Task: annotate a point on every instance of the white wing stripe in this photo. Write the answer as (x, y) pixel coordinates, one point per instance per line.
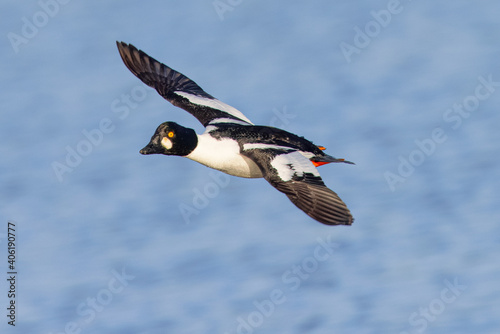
(261, 146)
(291, 164)
(227, 120)
(213, 103)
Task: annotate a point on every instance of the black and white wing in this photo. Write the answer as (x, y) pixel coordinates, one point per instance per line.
(294, 175)
(179, 89)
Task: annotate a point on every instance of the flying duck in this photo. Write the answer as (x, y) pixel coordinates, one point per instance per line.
(232, 144)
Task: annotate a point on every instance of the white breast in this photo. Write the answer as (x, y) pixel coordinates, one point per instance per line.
(223, 155)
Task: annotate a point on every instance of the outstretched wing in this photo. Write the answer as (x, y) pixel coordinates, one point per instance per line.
(179, 89)
(294, 175)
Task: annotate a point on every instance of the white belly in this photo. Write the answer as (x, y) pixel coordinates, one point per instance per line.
(224, 155)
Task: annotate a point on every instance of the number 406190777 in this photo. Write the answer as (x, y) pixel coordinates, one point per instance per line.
(11, 246)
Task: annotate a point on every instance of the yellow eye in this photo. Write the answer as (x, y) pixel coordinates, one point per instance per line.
(170, 134)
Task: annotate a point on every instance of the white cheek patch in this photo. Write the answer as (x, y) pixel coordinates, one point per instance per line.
(167, 143)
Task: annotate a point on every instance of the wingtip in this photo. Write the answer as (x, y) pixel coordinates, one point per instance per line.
(122, 46)
(347, 222)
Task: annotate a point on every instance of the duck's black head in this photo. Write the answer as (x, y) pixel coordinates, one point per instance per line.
(171, 139)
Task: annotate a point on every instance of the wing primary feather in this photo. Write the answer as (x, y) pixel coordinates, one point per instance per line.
(177, 88)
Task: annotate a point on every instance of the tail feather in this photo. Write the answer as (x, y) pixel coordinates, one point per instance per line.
(326, 159)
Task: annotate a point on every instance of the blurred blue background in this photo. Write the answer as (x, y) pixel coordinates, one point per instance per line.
(408, 90)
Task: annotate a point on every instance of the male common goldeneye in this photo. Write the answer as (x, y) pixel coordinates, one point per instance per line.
(234, 145)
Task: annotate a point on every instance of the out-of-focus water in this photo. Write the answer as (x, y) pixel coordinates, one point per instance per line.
(102, 245)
